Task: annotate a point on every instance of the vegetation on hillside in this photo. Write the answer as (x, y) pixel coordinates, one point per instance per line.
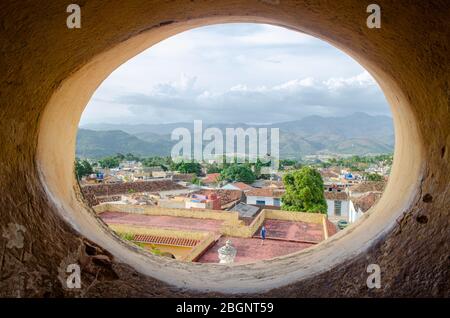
(187, 167)
(359, 134)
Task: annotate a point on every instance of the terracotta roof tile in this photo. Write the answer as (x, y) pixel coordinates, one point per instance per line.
(366, 201)
(226, 196)
(266, 192)
(242, 186)
(165, 240)
(211, 178)
(329, 174)
(368, 186)
(334, 195)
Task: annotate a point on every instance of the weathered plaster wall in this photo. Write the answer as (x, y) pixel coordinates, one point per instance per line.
(48, 73)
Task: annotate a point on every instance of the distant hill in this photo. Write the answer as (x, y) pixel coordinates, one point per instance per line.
(357, 125)
(161, 129)
(98, 144)
(359, 134)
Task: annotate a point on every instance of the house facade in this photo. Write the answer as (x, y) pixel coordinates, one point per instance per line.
(338, 205)
(265, 197)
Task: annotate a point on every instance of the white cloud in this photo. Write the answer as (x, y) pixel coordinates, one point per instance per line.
(182, 100)
(235, 72)
(361, 80)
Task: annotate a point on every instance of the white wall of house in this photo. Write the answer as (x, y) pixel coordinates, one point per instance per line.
(267, 200)
(354, 213)
(331, 212)
(195, 205)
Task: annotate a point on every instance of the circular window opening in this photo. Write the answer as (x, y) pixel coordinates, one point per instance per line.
(234, 143)
(56, 154)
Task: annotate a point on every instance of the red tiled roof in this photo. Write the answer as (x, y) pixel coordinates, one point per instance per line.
(265, 192)
(334, 195)
(226, 196)
(368, 186)
(242, 186)
(328, 174)
(211, 178)
(165, 240)
(366, 201)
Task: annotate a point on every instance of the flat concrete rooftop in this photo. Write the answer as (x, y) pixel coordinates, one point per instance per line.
(293, 231)
(251, 249)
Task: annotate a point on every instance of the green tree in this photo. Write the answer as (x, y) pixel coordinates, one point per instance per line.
(163, 162)
(213, 168)
(257, 168)
(109, 162)
(289, 162)
(131, 157)
(373, 177)
(239, 173)
(82, 168)
(304, 191)
(120, 156)
(197, 181)
(188, 167)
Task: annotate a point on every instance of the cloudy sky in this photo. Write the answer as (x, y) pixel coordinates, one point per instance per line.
(250, 73)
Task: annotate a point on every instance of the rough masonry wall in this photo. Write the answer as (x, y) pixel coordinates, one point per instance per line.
(38, 52)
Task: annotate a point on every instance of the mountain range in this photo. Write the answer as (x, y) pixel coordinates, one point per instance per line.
(359, 134)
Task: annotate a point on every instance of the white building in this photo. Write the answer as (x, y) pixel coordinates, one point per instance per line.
(265, 196)
(362, 203)
(338, 205)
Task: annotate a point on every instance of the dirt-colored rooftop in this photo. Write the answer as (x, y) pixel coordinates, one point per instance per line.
(367, 200)
(326, 173)
(152, 186)
(274, 184)
(94, 192)
(242, 186)
(183, 177)
(265, 192)
(368, 186)
(211, 178)
(335, 195)
(160, 221)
